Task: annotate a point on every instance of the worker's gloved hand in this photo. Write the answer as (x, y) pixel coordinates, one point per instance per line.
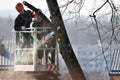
(23, 28)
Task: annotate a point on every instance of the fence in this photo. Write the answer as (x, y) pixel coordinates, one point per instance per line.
(115, 63)
(7, 49)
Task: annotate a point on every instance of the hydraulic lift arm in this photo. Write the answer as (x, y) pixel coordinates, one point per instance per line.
(62, 37)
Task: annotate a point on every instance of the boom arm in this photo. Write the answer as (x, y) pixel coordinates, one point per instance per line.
(37, 11)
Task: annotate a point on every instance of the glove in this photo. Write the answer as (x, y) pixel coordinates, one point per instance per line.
(23, 28)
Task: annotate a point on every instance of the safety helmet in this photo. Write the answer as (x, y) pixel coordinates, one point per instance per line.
(35, 15)
(19, 6)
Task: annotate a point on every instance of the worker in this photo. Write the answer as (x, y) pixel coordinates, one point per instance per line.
(50, 52)
(22, 22)
(38, 22)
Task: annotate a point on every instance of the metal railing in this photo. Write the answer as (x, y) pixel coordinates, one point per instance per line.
(37, 45)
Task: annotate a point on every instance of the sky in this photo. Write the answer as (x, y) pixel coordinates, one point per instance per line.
(10, 5)
(6, 5)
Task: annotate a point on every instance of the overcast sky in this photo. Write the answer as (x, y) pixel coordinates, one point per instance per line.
(87, 8)
(10, 4)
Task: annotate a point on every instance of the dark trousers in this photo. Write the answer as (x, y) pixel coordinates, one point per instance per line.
(51, 45)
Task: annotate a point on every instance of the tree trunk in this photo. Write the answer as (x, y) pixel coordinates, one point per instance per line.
(65, 46)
